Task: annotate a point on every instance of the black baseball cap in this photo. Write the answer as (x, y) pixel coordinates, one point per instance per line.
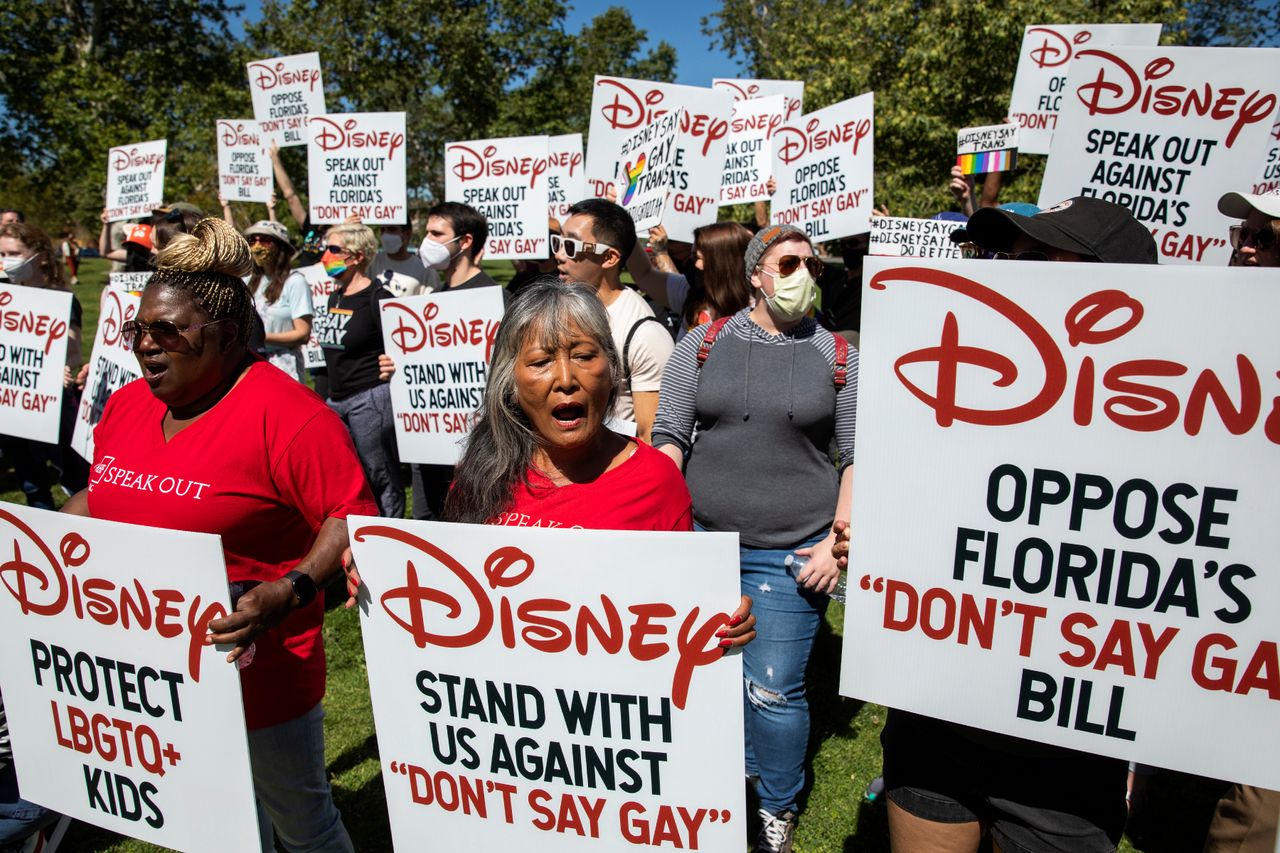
(1092, 227)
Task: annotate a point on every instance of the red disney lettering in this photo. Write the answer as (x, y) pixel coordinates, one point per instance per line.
(547, 625)
(346, 134)
(796, 142)
(235, 134)
(562, 159)
(472, 165)
(629, 110)
(697, 124)
(414, 330)
(1055, 48)
(739, 94)
(114, 319)
(23, 322)
(129, 158)
(269, 76)
(1118, 88)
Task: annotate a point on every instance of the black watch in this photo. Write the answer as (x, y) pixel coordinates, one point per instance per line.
(303, 587)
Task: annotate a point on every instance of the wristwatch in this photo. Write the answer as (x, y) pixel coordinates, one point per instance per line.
(303, 587)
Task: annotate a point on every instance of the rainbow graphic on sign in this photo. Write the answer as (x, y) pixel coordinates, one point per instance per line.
(987, 161)
(633, 177)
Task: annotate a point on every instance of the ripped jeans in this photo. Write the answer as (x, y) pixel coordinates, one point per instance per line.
(773, 666)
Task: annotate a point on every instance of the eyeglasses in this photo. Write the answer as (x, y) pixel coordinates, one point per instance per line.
(787, 264)
(1263, 239)
(571, 247)
(254, 239)
(168, 336)
(1030, 255)
(336, 250)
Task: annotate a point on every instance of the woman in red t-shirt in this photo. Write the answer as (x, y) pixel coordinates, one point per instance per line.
(213, 439)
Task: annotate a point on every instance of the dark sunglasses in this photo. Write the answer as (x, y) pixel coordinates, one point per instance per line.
(571, 247)
(168, 336)
(787, 264)
(1264, 239)
(336, 250)
(1029, 255)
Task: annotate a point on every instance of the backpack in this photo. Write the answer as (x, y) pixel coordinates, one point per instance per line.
(840, 372)
(626, 346)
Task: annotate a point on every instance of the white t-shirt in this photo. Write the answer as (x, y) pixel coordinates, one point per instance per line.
(410, 276)
(294, 302)
(651, 346)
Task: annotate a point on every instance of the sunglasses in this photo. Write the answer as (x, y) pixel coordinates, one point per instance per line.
(1030, 255)
(254, 239)
(570, 247)
(787, 264)
(168, 336)
(1264, 239)
(335, 250)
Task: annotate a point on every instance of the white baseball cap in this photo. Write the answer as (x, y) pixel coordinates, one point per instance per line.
(1240, 205)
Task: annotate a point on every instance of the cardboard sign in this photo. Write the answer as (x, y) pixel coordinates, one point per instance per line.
(244, 167)
(900, 237)
(566, 178)
(745, 90)
(1080, 549)
(644, 170)
(620, 107)
(748, 153)
(321, 286)
(129, 282)
(1165, 131)
(1043, 62)
(504, 179)
(33, 353)
(355, 167)
(1269, 184)
(823, 165)
(441, 344)
(135, 179)
(286, 91)
(112, 367)
(120, 716)
(526, 698)
(987, 149)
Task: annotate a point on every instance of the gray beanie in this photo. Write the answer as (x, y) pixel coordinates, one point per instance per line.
(765, 238)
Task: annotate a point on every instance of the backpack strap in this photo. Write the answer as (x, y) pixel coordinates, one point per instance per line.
(842, 362)
(704, 349)
(626, 346)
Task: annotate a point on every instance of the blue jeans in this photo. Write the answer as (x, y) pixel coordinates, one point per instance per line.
(292, 787)
(368, 417)
(19, 818)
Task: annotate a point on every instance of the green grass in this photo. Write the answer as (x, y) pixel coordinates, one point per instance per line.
(844, 753)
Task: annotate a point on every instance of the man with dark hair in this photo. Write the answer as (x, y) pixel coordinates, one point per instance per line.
(598, 238)
(456, 234)
(10, 215)
(398, 269)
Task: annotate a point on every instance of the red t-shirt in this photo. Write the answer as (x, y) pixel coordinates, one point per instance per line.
(264, 468)
(645, 492)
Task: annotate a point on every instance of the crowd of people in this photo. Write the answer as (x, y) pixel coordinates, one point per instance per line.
(740, 392)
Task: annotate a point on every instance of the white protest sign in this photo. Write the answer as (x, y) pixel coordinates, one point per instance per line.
(644, 170)
(900, 237)
(1165, 131)
(745, 90)
(120, 715)
(135, 179)
(441, 344)
(113, 364)
(355, 167)
(33, 353)
(993, 148)
(1269, 184)
(1043, 61)
(823, 165)
(321, 286)
(566, 177)
(748, 153)
(129, 282)
(244, 167)
(1086, 527)
(286, 91)
(620, 107)
(504, 179)
(526, 698)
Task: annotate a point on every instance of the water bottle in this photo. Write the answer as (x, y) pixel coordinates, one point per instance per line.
(795, 565)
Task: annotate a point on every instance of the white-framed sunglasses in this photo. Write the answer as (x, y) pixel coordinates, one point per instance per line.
(571, 247)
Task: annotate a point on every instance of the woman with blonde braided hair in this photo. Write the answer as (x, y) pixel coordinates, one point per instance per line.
(213, 439)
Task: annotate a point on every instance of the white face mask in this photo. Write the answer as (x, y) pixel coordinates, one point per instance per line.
(793, 295)
(19, 270)
(392, 243)
(435, 256)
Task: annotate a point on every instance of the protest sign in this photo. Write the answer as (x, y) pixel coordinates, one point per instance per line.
(286, 91)
(1269, 184)
(355, 167)
(1080, 548)
(1165, 131)
(33, 353)
(504, 179)
(129, 282)
(441, 344)
(744, 90)
(113, 364)
(748, 153)
(120, 715)
(526, 698)
(1043, 62)
(823, 165)
(899, 237)
(566, 179)
(135, 179)
(987, 149)
(644, 170)
(620, 107)
(244, 168)
(321, 286)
